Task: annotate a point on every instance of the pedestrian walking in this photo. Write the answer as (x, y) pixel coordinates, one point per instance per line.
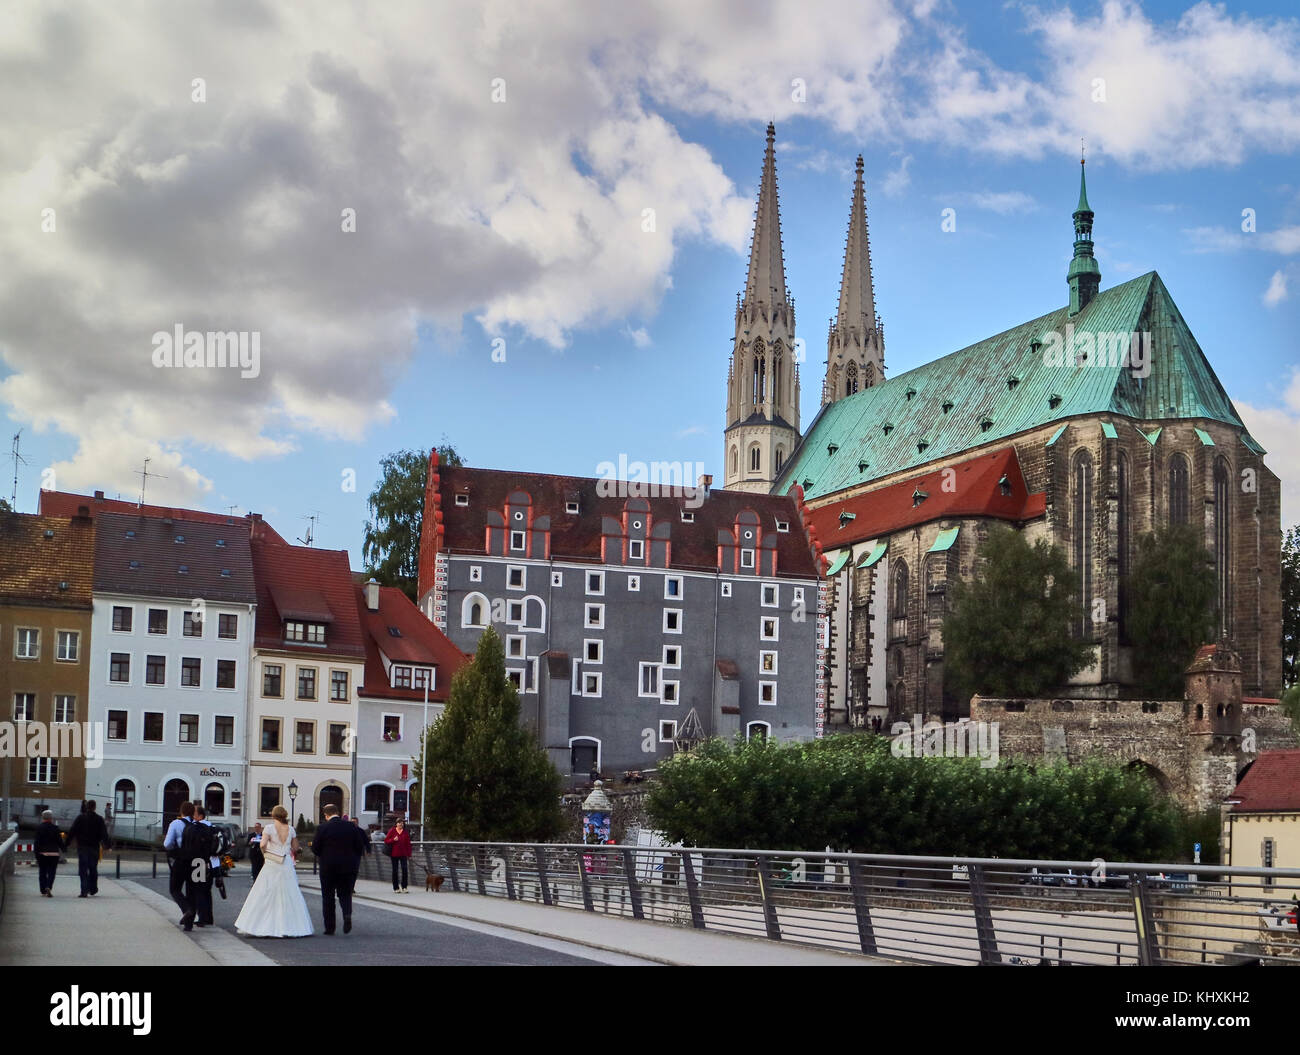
(49, 848)
(90, 834)
(255, 858)
(338, 847)
(200, 880)
(399, 839)
(176, 884)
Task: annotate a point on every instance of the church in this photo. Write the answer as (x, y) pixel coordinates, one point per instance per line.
(1089, 426)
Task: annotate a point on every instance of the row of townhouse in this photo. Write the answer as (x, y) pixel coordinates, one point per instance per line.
(220, 664)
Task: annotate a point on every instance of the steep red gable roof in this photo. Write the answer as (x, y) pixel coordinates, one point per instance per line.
(420, 643)
(300, 575)
(1272, 784)
(972, 489)
(66, 504)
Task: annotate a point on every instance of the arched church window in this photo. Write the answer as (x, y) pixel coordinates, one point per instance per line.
(760, 374)
(1122, 542)
(735, 460)
(1223, 545)
(1179, 505)
(851, 379)
(754, 457)
(898, 623)
(1081, 484)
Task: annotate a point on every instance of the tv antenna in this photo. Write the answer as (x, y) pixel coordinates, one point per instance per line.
(18, 460)
(312, 520)
(144, 478)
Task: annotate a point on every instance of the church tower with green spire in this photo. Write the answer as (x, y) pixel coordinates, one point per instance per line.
(1084, 276)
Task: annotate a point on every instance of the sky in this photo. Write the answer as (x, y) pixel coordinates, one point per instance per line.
(521, 229)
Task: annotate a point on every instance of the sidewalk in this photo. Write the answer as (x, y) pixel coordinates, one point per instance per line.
(659, 942)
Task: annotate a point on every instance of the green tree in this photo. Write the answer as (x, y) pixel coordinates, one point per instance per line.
(391, 546)
(1291, 606)
(1291, 708)
(1171, 611)
(488, 780)
(5, 507)
(1008, 630)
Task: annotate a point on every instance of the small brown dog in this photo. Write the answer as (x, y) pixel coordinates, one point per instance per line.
(433, 882)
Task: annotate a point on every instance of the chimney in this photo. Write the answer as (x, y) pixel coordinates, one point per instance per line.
(704, 483)
(372, 595)
(99, 496)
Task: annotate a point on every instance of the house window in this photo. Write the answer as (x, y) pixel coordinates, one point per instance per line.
(214, 799)
(191, 624)
(515, 646)
(65, 709)
(67, 646)
(268, 797)
(515, 577)
(270, 734)
(191, 671)
(746, 558)
(516, 678)
(596, 583)
(633, 583)
(571, 508)
(688, 517)
(157, 620)
(122, 618)
(308, 633)
(516, 540)
(306, 683)
(557, 578)
(304, 738)
(726, 589)
(154, 729)
(43, 771)
(769, 628)
(672, 656)
(596, 616)
(225, 673)
(667, 732)
(636, 549)
(223, 733)
(462, 500)
(767, 693)
(422, 678)
(591, 683)
(671, 691)
(119, 666)
(189, 728)
(476, 573)
(124, 797)
(757, 731)
(155, 670)
(376, 798)
(117, 725)
(228, 627)
(672, 620)
(272, 680)
(339, 685)
(25, 707)
(594, 650)
(672, 587)
(771, 596)
(392, 727)
(767, 662)
(649, 680)
(783, 526)
(474, 612)
(338, 744)
(27, 643)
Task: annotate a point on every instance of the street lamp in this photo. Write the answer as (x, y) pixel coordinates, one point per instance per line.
(293, 798)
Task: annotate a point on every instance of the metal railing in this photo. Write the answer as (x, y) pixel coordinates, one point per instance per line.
(928, 909)
(8, 853)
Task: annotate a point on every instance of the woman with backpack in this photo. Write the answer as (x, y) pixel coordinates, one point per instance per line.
(397, 844)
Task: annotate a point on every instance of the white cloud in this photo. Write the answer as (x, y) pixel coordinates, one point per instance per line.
(1278, 431)
(897, 181)
(1284, 240)
(1276, 292)
(1004, 202)
(640, 337)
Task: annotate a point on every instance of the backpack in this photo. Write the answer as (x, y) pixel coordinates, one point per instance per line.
(199, 841)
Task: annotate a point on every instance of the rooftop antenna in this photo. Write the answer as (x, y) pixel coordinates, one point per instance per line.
(144, 478)
(18, 459)
(311, 526)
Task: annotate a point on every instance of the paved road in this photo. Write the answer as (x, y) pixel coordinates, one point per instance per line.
(394, 938)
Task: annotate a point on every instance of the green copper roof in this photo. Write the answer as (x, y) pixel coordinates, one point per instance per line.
(1004, 385)
(838, 563)
(1083, 205)
(1204, 437)
(944, 540)
(1108, 430)
(877, 551)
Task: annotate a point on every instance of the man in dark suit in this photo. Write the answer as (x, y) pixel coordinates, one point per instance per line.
(90, 833)
(338, 847)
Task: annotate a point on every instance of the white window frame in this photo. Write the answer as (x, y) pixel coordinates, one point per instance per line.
(112, 610)
(726, 589)
(74, 636)
(664, 693)
(762, 628)
(669, 629)
(763, 685)
(530, 675)
(61, 714)
(26, 716)
(749, 726)
(462, 500)
(523, 577)
(50, 769)
(518, 541)
(600, 683)
(783, 526)
(557, 578)
(587, 624)
(672, 665)
(476, 573)
(571, 508)
(771, 671)
(515, 675)
(466, 607)
(641, 690)
(634, 583)
(513, 640)
(775, 602)
(681, 587)
(35, 642)
(746, 558)
(511, 607)
(688, 516)
(599, 576)
(587, 642)
(672, 735)
(575, 678)
(636, 549)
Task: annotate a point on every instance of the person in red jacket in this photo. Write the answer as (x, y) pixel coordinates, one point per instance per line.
(400, 841)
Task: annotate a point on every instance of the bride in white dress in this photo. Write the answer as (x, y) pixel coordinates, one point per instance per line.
(275, 907)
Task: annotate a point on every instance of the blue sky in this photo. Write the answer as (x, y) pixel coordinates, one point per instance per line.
(521, 220)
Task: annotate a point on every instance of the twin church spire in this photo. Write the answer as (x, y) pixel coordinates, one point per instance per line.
(763, 379)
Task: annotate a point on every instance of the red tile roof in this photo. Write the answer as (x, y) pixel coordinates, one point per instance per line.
(34, 568)
(1271, 785)
(420, 642)
(66, 504)
(305, 578)
(965, 489)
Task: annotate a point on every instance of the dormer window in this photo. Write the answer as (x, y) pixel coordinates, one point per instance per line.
(847, 518)
(783, 526)
(888, 427)
(225, 573)
(394, 631)
(135, 564)
(180, 539)
(1004, 485)
(1053, 401)
(462, 500)
(184, 569)
(947, 405)
(863, 466)
(688, 517)
(919, 496)
(909, 394)
(307, 633)
(130, 534)
(831, 448)
(221, 543)
(807, 483)
(571, 508)
(1034, 345)
(921, 446)
(986, 424)
(1012, 381)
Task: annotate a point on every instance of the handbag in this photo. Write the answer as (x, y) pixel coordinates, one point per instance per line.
(272, 858)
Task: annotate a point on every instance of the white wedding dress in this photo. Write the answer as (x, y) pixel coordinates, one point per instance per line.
(275, 907)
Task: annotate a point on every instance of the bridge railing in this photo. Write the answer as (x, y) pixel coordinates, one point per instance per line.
(8, 856)
(929, 909)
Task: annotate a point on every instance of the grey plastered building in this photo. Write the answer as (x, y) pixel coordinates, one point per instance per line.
(625, 607)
